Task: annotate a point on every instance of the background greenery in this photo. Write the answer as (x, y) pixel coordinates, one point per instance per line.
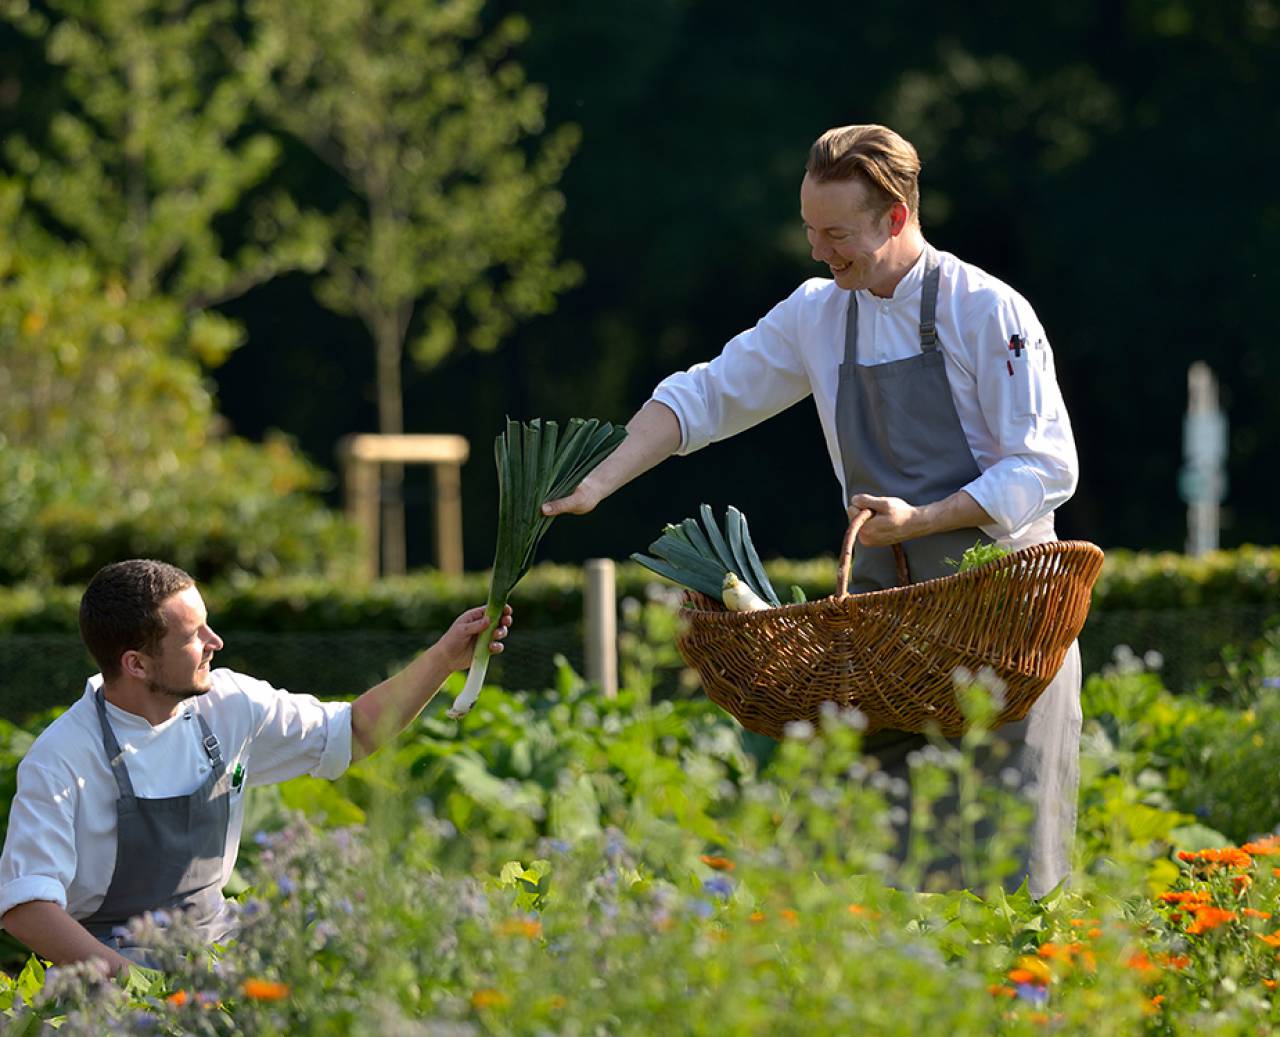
(1112, 162)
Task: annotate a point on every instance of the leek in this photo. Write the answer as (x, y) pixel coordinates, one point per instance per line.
(701, 559)
(535, 465)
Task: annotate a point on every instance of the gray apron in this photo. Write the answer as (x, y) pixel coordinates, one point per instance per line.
(168, 851)
(900, 436)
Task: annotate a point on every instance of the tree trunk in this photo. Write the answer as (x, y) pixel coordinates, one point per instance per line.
(390, 344)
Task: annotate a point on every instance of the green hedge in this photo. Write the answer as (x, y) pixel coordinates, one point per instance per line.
(335, 639)
(551, 594)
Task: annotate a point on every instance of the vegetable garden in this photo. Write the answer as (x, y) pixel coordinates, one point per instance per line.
(560, 863)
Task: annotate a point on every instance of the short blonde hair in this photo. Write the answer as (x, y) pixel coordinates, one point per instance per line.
(885, 161)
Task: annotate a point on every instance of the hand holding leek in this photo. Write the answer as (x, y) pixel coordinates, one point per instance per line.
(535, 465)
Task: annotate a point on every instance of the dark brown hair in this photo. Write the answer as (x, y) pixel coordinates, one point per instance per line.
(880, 158)
(120, 609)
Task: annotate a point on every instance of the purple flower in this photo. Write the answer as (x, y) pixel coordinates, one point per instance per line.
(1032, 992)
(718, 885)
(1271, 682)
(701, 908)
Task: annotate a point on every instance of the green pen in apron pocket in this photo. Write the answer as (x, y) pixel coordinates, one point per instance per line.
(237, 778)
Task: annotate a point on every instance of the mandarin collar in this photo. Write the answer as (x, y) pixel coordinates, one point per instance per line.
(124, 717)
(905, 289)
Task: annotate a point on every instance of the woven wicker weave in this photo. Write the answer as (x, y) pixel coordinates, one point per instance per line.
(892, 653)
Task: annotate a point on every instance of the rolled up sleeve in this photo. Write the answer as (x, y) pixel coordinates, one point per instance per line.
(39, 858)
(1037, 468)
(295, 735)
(758, 374)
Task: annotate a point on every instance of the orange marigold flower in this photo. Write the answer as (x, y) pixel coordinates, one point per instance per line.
(789, 916)
(1253, 912)
(488, 998)
(1173, 961)
(178, 998)
(717, 863)
(1270, 984)
(1273, 940)
(1030, 969)
(265, 990)
(1276, 872)
(1207, 918)
(1229, 857)
(756, 916)
(1139, 962)
(1000, 990)
(1268, 847)
(1185, 896)
(1240, 883)
(1039, 1018)
(1053, 952)
(1153, 1006)
(529, 928)
(1094, 933)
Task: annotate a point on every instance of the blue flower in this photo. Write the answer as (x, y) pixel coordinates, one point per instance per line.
(701, 908)
(718, 885)
(1032, 992)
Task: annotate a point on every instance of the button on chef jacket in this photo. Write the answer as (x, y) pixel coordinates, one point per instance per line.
(61, 842)
(998, 362)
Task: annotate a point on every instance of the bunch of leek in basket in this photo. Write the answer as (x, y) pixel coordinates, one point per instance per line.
(535, 465)
(723, 565)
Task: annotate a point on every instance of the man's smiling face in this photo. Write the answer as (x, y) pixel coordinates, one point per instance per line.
(846, 231)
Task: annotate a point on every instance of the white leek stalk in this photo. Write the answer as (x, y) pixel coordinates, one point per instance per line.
(534, 466)
(739, 597)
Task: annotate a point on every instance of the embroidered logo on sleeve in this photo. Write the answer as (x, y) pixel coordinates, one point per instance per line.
(1017, 346)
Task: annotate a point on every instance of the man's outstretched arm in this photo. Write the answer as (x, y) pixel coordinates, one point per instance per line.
(653, 435)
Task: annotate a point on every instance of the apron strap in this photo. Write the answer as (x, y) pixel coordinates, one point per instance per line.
(928, 310)
(211, 747)
(115, 756)
(929, 301)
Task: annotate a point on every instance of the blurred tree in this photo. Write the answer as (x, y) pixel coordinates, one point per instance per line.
(448, 231)
(109, 443)
(151, 147)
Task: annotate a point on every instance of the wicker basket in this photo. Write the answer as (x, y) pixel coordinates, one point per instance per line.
(892, 653)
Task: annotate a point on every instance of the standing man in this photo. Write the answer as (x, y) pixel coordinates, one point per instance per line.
(935, 386)
(133, 799)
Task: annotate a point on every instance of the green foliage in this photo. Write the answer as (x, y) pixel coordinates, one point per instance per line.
(109, 445)
(625, 855)
(150, 148)
(450, 200)
(552, 593)
(978, 554)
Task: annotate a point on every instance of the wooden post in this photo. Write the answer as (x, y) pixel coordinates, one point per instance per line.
(600, 613)
(449, 518)
(363, 456)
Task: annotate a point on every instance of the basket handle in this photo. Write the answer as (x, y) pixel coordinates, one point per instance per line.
(846, 555)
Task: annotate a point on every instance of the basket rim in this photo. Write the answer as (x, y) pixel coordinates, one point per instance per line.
(893, 594)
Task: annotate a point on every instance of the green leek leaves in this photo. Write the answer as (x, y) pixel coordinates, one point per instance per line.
(697, 557)
(535, 464)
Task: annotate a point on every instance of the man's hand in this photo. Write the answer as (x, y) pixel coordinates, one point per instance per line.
(579, 502)
(892, 521)
(458, 643)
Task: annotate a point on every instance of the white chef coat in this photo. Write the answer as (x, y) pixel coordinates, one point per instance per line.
(61, 841)
(1008, 401)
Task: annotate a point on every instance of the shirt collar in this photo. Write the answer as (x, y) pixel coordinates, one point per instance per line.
(908, 287)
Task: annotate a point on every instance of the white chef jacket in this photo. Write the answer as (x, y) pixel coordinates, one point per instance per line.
(1007, 399)
(61, 841)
